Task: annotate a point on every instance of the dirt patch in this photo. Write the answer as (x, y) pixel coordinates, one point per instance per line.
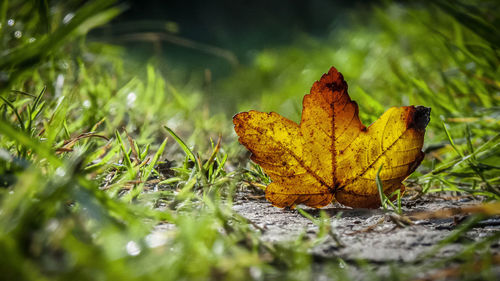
(370, 234)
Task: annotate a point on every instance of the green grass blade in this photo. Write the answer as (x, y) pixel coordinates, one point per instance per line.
(13, 108)
(126, 156)
(149, 168)
(183, 145)
(450, 139)
(380, 189)
(22, 138)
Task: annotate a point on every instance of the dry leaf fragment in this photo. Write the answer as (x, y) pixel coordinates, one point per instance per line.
(331, 154)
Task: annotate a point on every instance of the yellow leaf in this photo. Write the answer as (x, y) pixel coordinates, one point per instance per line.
(331, 154)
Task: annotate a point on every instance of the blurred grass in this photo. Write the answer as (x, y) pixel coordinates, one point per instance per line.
(95, 158)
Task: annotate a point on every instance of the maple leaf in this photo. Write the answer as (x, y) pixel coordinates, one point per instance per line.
(331, 155)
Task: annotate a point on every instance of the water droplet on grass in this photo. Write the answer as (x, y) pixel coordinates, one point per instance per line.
(133, 248)
(67, 18)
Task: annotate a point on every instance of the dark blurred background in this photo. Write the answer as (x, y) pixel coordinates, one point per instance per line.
(224, 33)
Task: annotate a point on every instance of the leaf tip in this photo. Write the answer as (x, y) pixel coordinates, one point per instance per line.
(420, 118)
